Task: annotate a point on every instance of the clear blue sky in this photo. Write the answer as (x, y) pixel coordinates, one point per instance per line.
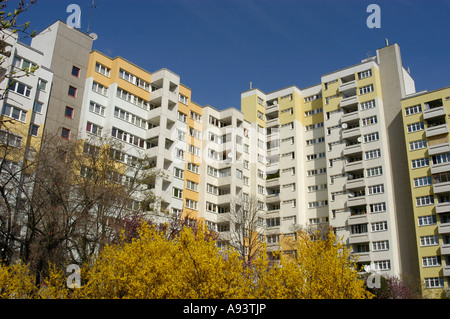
(218, 46)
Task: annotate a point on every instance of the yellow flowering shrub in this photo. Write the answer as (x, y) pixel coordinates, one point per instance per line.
(16, 282)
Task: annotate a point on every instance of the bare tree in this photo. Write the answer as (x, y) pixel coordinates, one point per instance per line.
(246, 220)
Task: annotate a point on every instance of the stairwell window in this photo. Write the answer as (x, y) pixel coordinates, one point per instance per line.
(72, 91)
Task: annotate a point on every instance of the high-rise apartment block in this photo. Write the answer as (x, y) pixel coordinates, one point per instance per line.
(359, 152)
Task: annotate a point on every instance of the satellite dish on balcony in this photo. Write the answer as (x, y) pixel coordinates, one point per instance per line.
(275, 103)
(359, 139)
(230, 155)
(344, 125)
(351, 195)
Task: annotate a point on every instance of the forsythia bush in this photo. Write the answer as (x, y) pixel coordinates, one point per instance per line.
(190, 266)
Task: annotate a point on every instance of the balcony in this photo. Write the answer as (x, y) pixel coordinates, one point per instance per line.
(348, 117)
(363, 257)
(446, 270)
(441, 187)
(439, 148)
(355, 184)
(443, 207)
(436, 130)
(351, 132)
(348, 86)
(440, 168)
(353, 166)
(358, 199)
(357, 219)
(353, 149)
(444, 228)
(273, 198)
(358, 238)
(434, 112)
(445, 249)
(349, 101)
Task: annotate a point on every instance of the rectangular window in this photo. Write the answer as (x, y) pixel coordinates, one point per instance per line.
(376, 189)
(42, 85)
(194, 150)
(65, 133)
(374, 171)
(14, 112)
(372, 154)
(10, 139)
(368, 105)
(177, 193)
(94, 129)
(413, 110)
(75, 71)
(195, 116)
(183, 99)
(415, 127)
(72, 91)
(69, 112)
(192, 185)
(273, 222)
(34, 130)
(429, 240)
(366, 89)
(358, 229)
(193, 167)
(382, 265)
(192, 204)
(440, 158)
(99, 88)
(377, 208)
(369, 120)
(365, 74)
(424, 200)
(379, 226)
(417, 145)
(431, 261)
(177, 172)
(20, 88)
(371, 137)
(37, 106)
(437, 282)
(421, 162)
(380, 245)
(422, 181)
(97, 108)
(182, 117)
(427, 220)
(102, 69)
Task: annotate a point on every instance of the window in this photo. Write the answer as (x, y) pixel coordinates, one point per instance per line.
(127, 96)
(273, 222)
(424, 200)
(72, 91)
(431, 261)
(313, 112)
(194, 150)
(14, 112)
(34, 129)
(192, 204)
(368, 105)
(134, 80)
(365, 74)
(129, 138)
(377, 208)
(69, 112)
(183, 99)
(93, 129)
(358, 229)
(422, 181)
(372, 154)
(414, 127)
(42, 85)
(413, 110)
(238, 174)
(193, 167)
(427, 220)
(369, 120)
(75, 71)
(316, 171)
(374, 171)
(179, 153)
(177, 172)
(129, 117)
(417, 145)
(192, 185)
(260, 189)
(10, 139)
(376, 189)
(317, 204)
(382, 265)
(195, 116)
(429, 240)
(20, 88)
(97, 108)
(421, 162)
(182, 117)
(100, 89)
(371, 137)
(65, 133)
(440, 158)
(366, 89)
(102, 69)
(380, 245)
(23, 64)
(437, 282)
(177, 193)
(379, 226)
(195, 133)
(211, 189)
(37, 106)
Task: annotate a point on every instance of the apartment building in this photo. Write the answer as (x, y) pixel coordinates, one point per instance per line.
(25, 99)
(330, 154)
(425, 117)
